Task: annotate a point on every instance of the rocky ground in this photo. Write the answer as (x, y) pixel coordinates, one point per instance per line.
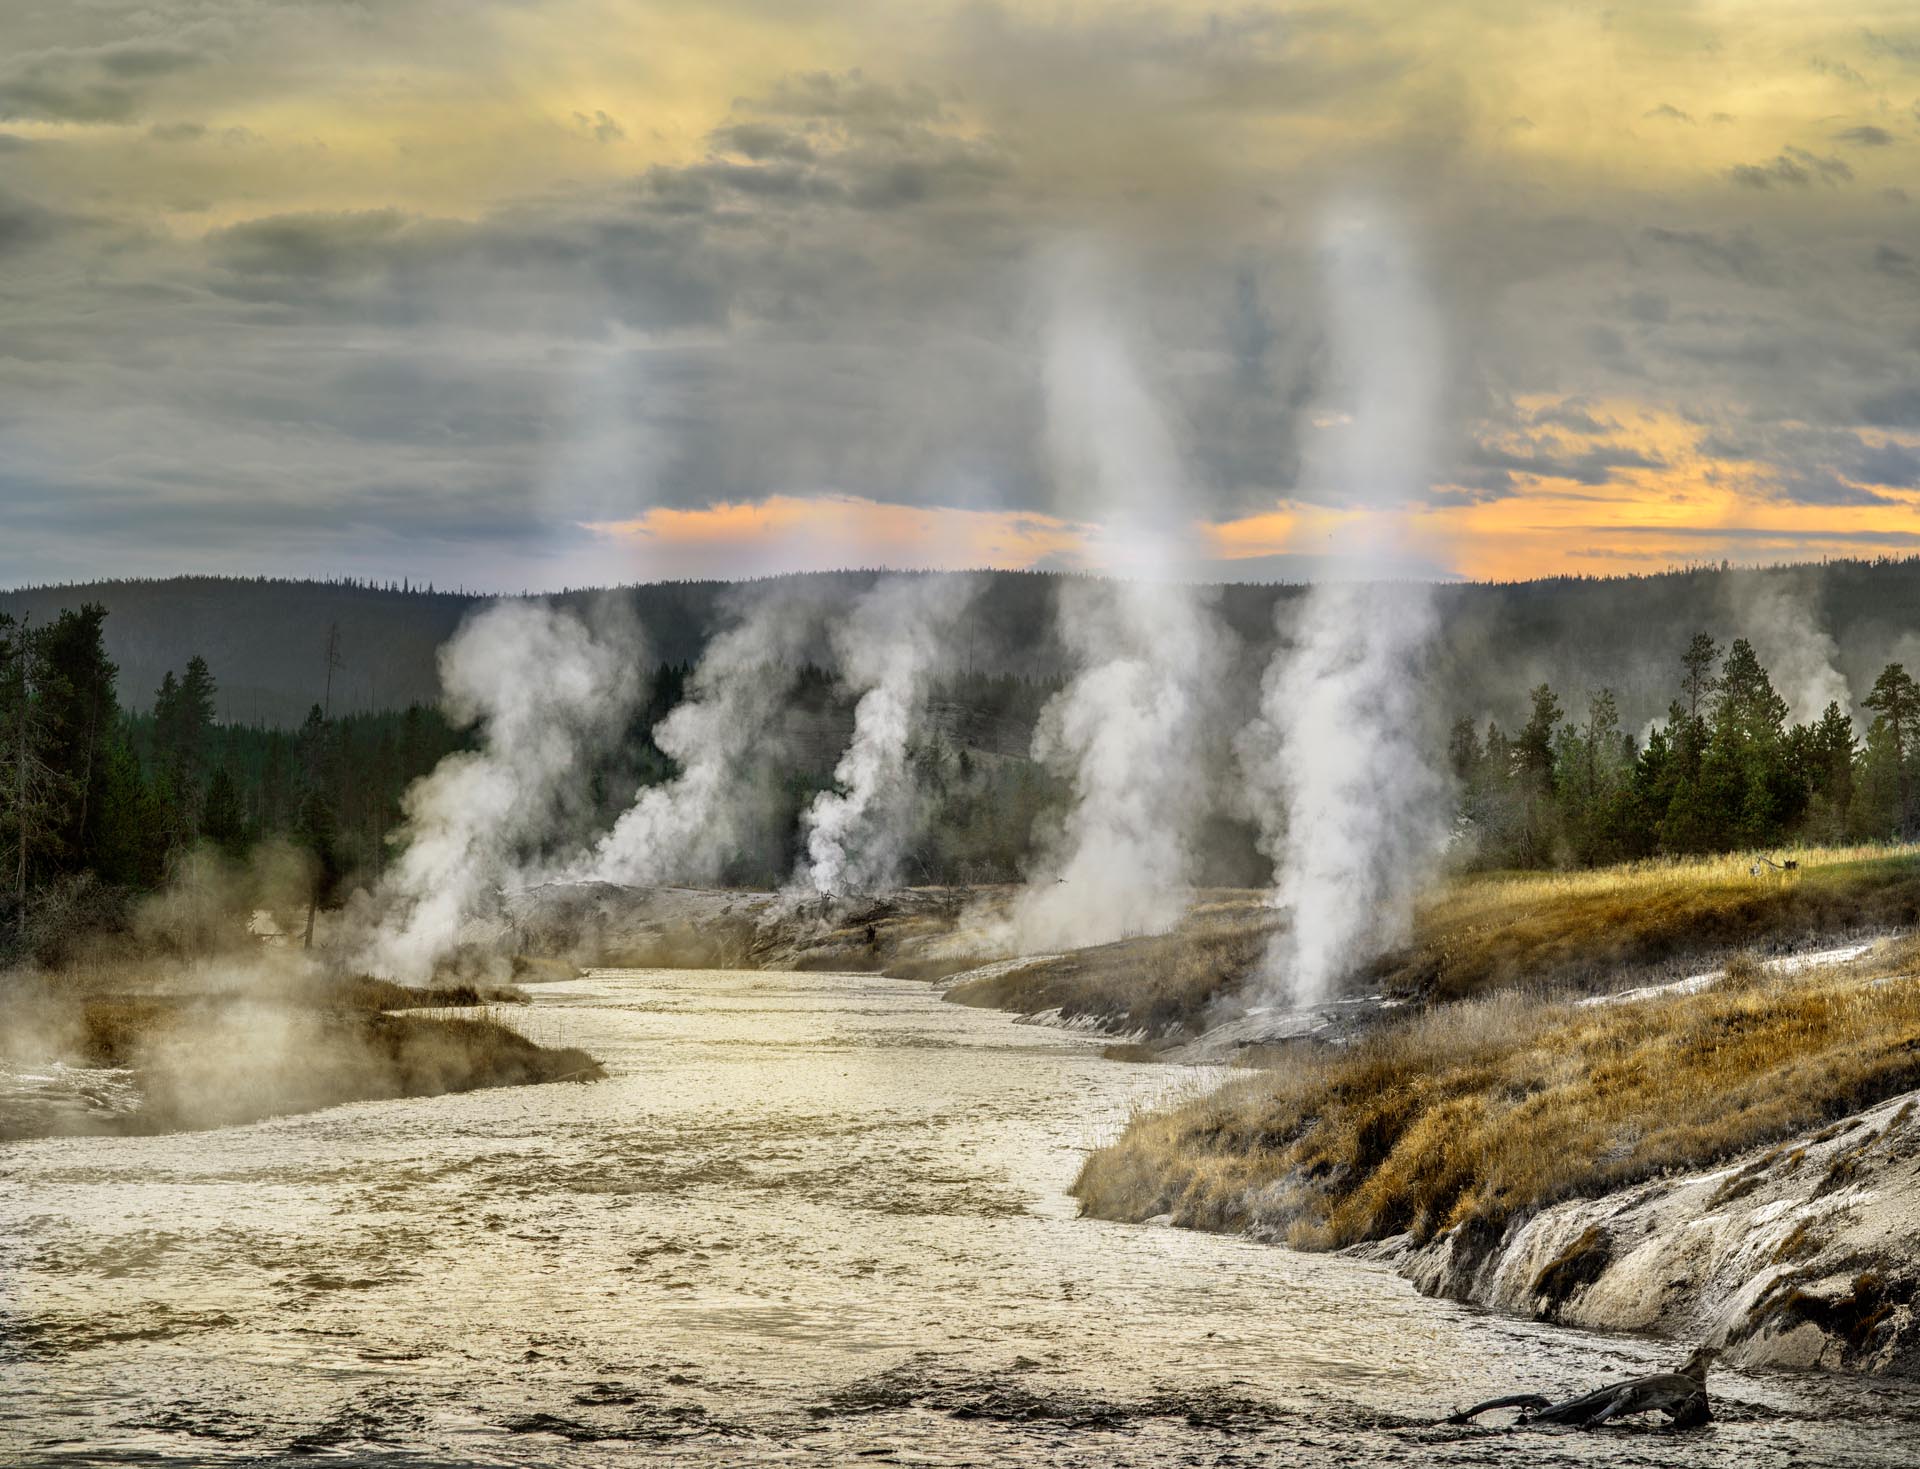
(1805, 1253)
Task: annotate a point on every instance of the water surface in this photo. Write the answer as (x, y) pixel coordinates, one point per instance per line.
(808, 1219)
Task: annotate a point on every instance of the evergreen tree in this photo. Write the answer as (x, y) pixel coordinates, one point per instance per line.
(36, 791)
(1827, 754)
(1593, 764)
(83, 717)
(1698, 684)
(224, 821)
(1895, 701)
(1534, 748)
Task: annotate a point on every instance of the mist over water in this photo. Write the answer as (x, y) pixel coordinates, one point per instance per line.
(1337, 764)
(1147, 652)
(546, 690)
(889, 647)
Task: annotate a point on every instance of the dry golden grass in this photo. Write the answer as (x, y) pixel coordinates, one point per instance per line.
(1471, 1113)
(1601, 928)
(1163, 984)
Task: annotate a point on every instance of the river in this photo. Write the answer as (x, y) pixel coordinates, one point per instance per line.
(809, 1218)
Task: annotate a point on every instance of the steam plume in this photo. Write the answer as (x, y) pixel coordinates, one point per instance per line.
(547, 692)
(888, 646)
(721, 735)
(1127, 730)
(1351, 811)
(1776, 612)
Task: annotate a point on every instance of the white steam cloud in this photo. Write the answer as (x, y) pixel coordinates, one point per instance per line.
(1337, 767)
(1127, 731)
(888, 647)
(723, 736)
(546, 691)
(1775, 612)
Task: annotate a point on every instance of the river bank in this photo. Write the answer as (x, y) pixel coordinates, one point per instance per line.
(133, 1049)
(1727, 1156)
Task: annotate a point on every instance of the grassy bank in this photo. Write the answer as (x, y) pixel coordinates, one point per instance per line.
(205, 1051)
(1163, 984)
(1609, 927)
(1471, 1113)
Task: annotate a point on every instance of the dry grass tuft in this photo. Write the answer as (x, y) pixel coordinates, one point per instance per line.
(1472, 1113)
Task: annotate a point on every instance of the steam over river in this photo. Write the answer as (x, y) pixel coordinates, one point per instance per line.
(810, 1218)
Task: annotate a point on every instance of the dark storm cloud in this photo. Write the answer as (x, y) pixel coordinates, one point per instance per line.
(760, 141)
(570, 270)
(1794, 166)
(1900, 48)
(1866, 136)
(1649, 307)
(1592, 466)
(1737, 254)
(88, 84)
(1572, 414)
(23, 223)
(848, 97)
(1898, 408)
(1889, 260)
(1821, 466)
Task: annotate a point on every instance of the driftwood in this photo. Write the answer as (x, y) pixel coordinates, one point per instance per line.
(1681, 1395)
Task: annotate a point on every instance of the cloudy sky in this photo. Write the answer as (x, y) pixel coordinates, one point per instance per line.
(546, 292)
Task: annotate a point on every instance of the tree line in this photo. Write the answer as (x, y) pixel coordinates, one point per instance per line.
(97, 802)
(1726, 771)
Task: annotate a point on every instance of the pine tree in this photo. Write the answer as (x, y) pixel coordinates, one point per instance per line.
(1895, 700)
(224, 821)
(83, 715)
(1699, 684)
(37, 792)
(1830, 750)
(1747, 788)
(1592, 764)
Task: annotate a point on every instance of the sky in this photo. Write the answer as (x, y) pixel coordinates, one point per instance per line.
(539, 293)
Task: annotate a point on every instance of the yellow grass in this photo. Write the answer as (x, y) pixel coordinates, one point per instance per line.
(1604, 928)
(1471, 1113)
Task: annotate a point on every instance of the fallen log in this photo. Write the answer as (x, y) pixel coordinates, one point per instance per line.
(1680, 1395)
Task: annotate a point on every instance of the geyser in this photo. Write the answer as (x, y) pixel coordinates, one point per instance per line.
(888, 647)
(1127, 731)
(547, 691)
(1337, 767)
(724, 736)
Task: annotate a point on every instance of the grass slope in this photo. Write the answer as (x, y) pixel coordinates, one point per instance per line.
(1474, 1113)
(1601, 929)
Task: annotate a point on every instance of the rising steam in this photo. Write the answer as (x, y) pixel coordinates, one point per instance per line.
(1337, 767)
(723, 736)
(888, 647)
(1777, 612)
(1127, 730)
(547, 692)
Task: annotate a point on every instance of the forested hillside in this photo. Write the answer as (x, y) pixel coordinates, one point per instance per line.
(98, 801)
(269, 640)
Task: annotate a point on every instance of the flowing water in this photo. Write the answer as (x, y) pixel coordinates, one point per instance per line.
(809, 1219)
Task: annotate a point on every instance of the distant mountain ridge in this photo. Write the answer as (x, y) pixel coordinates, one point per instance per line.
(266, 639)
